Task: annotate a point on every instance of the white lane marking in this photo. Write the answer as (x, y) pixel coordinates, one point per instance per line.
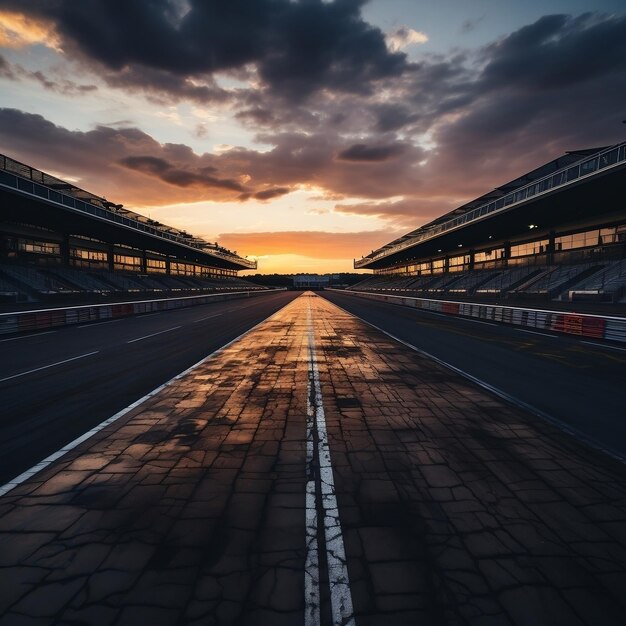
(167, 330)
(555, 421)
(602, 345)
(451, 316)
(208, 317)
(342, 612)
(311, 562)
(24, 476)
(45, 367)
(151, 314)
(48, 332)
(100, 323)
(534, 332)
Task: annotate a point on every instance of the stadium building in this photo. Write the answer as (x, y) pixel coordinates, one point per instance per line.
(58, 241)
(557, 232)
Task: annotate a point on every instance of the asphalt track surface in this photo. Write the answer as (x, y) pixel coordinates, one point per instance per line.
(314, 472)
(43, 409)
(577, 382)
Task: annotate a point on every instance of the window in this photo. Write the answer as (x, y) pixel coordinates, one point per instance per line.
(577, 240)
(532, 247)
(438, 266)
(489, 255)
(82, 257)
(126, 263)
(38, 247)
(156, 266)
(458, 263)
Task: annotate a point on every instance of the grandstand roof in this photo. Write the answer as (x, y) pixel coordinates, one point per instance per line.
(98, 217)
(541, 194)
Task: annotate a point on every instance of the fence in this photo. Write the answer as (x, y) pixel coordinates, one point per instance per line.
(583, 325)
(22, 321)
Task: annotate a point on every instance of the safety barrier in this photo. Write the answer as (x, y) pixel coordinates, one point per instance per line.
(22, 321)
(612, 328)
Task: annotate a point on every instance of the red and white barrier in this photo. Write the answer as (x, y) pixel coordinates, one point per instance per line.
(612, 328)
(22, 321)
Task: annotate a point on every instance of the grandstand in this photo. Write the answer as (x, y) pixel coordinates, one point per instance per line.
(557, 233)
(59, 242)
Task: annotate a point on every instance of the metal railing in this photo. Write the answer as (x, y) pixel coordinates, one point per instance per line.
(32, 181)
(584, 168)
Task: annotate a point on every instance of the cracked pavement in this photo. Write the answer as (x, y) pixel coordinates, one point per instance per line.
(455, 507)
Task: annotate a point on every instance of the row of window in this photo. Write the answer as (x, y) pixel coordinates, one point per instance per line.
(50, 252)
(495, 256)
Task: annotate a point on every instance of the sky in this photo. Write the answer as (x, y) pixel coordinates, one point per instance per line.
(305, 133)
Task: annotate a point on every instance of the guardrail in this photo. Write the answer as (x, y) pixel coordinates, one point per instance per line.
(611, 328)
(22, 321)
(586, 167)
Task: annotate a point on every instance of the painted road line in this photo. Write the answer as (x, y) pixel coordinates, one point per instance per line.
(48, 332)
(119, 319)
(555, 421)
(45, 367)
(208, 317)
(451, 316)
(312, 599)
(24, 476)
(342, 612)
(167, 330)
(603, 345)
(534, 332)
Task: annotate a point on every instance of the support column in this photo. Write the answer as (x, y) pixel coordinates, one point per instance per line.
(65, 250)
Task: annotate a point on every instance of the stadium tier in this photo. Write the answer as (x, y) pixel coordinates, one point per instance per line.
(60, 241)
(557, 232)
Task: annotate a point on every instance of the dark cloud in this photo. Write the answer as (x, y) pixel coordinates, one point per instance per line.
(555, 85)
(484, 116)
(557, 51)
(270, 194)
(298, 48)
(364, 152)
(167, 172)
(393, 116)
(124, 163)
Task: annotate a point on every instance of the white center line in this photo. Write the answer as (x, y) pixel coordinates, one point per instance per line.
(167, 330)
(534, 332)
(48, 332)
(342, 613)
(602, 345)
(45, 367)
(100, 323)
(208, 317)
(451, 316)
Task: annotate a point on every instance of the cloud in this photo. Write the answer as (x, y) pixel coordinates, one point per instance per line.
(541, 91)
(403, 37)
(179, 177)
(471, 25)
(270, 194)
(363, 152)
(410, 210)
(50, 81)
(436, 132)
(120, 162)
(18, 30)
(297, 48)
(316, 244)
